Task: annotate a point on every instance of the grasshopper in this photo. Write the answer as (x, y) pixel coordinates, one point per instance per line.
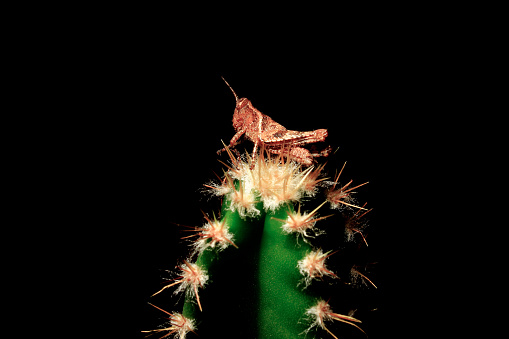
(263, 131)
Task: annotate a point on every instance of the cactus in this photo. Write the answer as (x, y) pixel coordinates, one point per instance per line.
(258, 269)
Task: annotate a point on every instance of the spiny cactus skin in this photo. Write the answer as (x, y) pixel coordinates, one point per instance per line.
(252, 272)
(256, 285)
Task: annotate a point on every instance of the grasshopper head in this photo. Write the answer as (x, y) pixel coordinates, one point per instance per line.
(241, 117)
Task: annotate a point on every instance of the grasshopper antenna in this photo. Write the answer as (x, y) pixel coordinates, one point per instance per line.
(235, 94)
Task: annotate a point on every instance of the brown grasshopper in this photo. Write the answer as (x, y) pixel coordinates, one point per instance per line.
(263, 131)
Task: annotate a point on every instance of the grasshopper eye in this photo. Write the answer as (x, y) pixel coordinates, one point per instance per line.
(242, 102)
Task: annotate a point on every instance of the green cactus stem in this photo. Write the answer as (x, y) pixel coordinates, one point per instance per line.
(268, 299)
(250, 272)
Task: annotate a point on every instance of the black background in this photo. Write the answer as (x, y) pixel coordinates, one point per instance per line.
(119, 112)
